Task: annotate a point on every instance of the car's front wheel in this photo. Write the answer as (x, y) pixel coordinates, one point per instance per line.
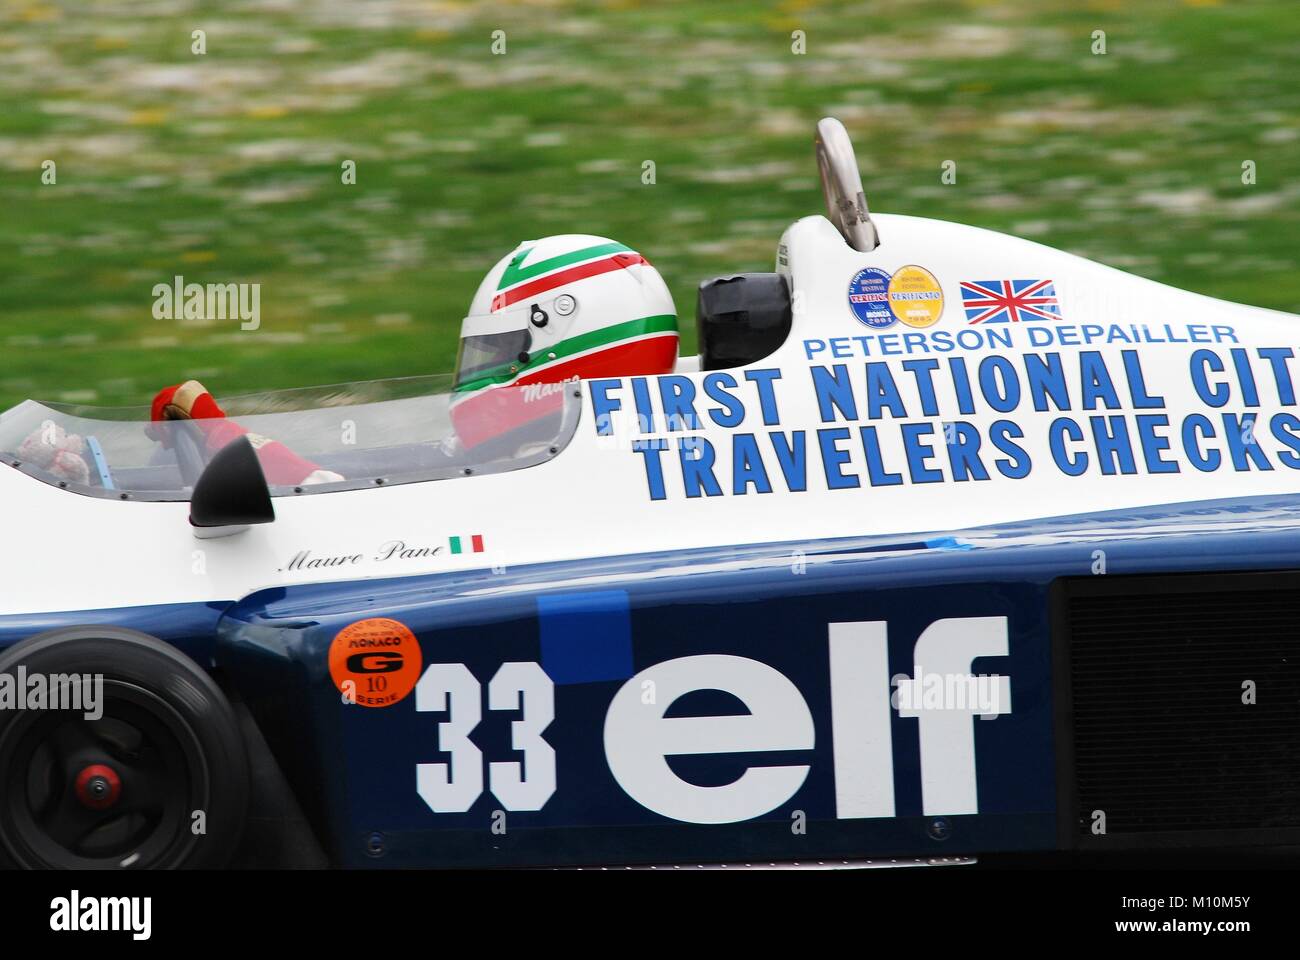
(142, 767)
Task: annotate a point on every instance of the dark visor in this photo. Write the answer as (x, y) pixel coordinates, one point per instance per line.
(491, 356)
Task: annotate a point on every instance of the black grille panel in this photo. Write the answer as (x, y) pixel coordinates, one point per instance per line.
(1161, 739)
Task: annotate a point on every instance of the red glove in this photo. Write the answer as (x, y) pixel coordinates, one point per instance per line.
(191, 401)
(185, 401)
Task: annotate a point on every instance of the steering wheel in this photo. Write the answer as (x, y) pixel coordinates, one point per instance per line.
(846, 204)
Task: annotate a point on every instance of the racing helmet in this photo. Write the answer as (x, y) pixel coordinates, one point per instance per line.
(563, 308)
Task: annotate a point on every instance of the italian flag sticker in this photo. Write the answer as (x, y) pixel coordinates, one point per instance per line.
(460, 544)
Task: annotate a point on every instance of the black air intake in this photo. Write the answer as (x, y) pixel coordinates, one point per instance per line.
(1155, 732)
(742, 318)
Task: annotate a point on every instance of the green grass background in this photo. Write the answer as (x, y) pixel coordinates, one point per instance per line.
(226, 167)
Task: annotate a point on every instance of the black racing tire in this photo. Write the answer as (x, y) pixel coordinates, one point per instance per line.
(175, 794)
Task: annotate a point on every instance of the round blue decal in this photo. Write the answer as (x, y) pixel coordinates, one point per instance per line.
(869, 297)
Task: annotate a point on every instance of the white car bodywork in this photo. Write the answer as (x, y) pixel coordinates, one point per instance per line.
(75, 552)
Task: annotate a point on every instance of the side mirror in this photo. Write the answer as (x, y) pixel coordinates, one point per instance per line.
(231, 494)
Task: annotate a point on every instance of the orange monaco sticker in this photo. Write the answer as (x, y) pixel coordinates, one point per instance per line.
(375, 662)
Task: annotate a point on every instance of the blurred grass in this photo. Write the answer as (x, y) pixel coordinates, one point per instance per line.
(226, 167)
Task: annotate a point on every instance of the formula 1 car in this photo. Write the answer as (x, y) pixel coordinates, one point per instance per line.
(946, 544)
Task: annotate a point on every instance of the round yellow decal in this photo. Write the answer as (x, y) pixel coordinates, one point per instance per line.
(915, 296)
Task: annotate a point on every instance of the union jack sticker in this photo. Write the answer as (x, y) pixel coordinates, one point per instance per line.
(1009, 301)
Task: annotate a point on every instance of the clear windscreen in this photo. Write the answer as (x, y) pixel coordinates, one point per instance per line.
(386, 431)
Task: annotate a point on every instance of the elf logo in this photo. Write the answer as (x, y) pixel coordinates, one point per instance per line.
(640, 738)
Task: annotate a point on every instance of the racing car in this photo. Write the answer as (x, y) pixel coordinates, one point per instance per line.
(946, 544)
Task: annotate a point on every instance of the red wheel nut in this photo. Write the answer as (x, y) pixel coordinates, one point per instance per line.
(98, 787)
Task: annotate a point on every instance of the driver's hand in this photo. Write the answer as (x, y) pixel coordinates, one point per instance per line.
(185, 401)
(192, 401)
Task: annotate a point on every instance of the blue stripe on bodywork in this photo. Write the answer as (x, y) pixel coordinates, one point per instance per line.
(190, 627)
(586, 636)
(949, 543)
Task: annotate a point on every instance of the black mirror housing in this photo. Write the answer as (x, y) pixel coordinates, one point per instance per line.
(231, 494)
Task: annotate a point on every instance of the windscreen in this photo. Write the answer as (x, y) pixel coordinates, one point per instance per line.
(388, 431)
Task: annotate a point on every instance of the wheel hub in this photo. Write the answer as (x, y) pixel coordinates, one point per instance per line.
(98, 786)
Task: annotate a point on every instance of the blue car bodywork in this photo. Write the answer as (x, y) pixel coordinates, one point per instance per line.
(592, 625)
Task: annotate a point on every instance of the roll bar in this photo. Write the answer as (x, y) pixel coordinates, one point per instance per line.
(846, 204)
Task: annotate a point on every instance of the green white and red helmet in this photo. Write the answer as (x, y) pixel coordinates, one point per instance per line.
(563, 308)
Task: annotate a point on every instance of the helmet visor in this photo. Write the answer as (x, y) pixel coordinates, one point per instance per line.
(491, 357)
